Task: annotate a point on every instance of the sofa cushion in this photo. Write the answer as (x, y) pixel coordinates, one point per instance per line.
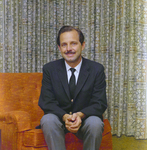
(107, 127)
(34, 138)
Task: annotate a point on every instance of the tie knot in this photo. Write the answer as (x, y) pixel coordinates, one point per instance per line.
(72, 70)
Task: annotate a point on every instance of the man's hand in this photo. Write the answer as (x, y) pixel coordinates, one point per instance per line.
(73, 122)
(76, 123)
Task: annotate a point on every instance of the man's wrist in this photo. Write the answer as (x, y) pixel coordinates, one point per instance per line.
(81, 115)
(65, 117)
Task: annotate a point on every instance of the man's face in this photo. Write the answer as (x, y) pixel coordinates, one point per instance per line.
(71, 48)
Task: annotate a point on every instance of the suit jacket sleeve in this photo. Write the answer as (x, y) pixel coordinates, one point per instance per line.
(98, 101)
(47, 100)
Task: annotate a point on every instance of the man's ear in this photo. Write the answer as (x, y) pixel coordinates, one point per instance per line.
(59, 48)
(83, 45)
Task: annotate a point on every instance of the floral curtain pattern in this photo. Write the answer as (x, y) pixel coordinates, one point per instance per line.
(115, 35)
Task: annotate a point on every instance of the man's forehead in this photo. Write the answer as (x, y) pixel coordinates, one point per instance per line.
(70, 35)
(72, 32)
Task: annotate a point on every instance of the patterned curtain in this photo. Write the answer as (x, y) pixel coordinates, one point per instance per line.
(115, 35)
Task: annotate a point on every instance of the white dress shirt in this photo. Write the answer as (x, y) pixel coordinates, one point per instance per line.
(76, 73)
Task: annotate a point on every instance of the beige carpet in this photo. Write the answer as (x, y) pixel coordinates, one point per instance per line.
(128, 143)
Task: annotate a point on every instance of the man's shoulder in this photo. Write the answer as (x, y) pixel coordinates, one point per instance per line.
(93, 64)
(53, 64)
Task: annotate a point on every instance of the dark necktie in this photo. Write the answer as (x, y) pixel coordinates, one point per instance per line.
(72, 84)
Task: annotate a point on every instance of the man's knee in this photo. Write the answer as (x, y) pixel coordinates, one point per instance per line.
(50, 120)
(94, 124)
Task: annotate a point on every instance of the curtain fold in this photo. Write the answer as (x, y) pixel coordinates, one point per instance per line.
(115, 35)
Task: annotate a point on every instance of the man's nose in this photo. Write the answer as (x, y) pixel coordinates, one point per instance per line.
(68, 47)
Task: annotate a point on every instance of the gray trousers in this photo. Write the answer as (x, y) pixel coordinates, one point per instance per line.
(54, 132)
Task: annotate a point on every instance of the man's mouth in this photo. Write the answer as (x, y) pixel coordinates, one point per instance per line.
(70, 53)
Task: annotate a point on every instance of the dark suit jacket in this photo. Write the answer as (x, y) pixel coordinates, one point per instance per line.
(90, 94)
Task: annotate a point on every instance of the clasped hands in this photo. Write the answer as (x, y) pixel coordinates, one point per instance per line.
(73, 122)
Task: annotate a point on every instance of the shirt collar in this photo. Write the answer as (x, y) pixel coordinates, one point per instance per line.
(78, 67)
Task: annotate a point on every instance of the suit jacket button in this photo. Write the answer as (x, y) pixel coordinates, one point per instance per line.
(72, 100)
(70, 113)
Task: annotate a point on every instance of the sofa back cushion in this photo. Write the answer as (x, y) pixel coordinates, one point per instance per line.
(20, 91)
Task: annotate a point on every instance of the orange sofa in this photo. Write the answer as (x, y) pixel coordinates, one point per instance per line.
(20, 114)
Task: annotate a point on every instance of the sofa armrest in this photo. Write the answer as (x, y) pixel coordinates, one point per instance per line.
(20, 119)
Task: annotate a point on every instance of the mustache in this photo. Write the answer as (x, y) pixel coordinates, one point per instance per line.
(70, 52)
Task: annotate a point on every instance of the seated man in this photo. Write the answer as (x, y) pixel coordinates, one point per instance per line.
(73, 94)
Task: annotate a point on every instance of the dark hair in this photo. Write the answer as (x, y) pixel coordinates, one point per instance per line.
(67, 29)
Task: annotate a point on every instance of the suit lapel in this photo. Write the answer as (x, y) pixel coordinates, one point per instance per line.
(63, 77)
(83, 75)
